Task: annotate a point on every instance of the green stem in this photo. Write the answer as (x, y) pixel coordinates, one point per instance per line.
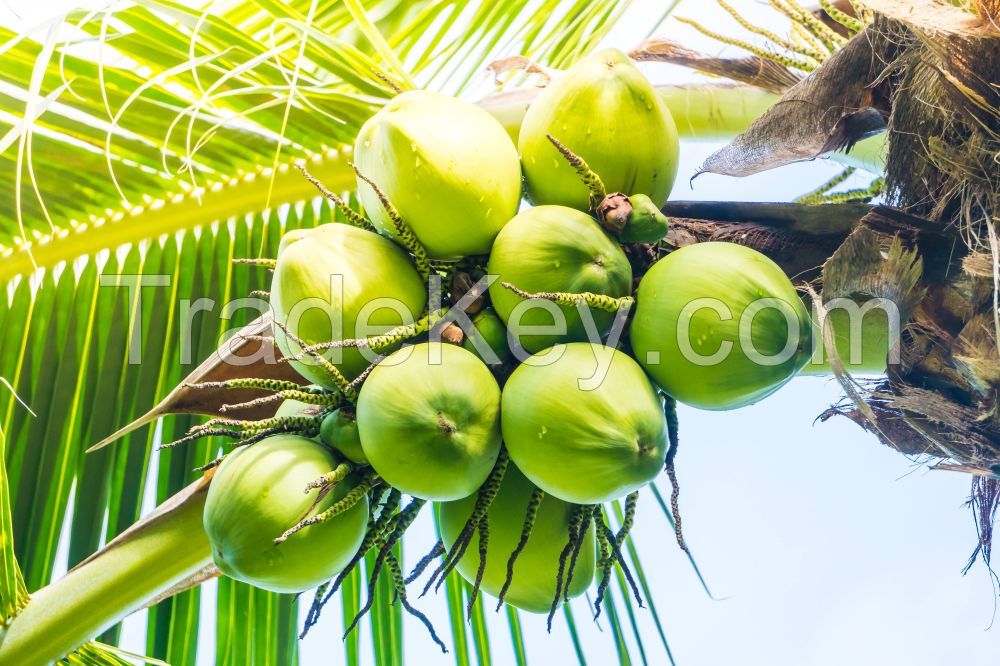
(599, 301)
(587, 175)
(146, 560)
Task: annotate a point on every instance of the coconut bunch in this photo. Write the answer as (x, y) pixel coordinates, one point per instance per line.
(535, 336)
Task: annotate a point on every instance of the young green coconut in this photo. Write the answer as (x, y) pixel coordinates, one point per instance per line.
(339, 430)
(719, 326)
(584, 423)
(447, 166)
(555, 249)
(645, 223)
(257, 495)
(324, 280)
(489, 333)
(607, 113)
(429, 421)
(528, 531)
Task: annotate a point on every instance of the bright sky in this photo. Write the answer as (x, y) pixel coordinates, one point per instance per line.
(827, 547)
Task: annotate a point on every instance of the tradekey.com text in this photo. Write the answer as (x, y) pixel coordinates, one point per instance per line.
(439, 322)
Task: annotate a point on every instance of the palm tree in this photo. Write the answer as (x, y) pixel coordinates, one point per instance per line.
(157, 139)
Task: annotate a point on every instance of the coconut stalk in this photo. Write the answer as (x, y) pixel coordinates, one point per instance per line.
(139, 566)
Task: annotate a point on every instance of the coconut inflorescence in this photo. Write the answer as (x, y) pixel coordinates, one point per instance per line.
(522, 562)
(547, 391)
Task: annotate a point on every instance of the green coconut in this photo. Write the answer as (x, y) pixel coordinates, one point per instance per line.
(604, 110)
(339, 430)
(448, 167)
(257, 494)
(533, 585)
(368, 266)
(429, 421)
(555, 249)
(646, 224)
(584, 423)
(488, 333)
(719, 326)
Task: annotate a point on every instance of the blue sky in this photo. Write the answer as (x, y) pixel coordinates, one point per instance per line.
(827, 547)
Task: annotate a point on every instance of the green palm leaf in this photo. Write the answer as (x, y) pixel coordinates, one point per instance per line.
(13, 593)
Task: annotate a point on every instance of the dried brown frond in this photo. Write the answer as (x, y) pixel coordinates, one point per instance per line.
(520, 63)
(831, 109)
(752, 70)
(976, 355)
(978, 264)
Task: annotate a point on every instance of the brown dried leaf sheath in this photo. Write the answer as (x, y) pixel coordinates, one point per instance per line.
(220, 367)
(832, 108)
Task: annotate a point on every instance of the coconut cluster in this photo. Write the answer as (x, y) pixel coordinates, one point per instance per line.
(540, 388)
